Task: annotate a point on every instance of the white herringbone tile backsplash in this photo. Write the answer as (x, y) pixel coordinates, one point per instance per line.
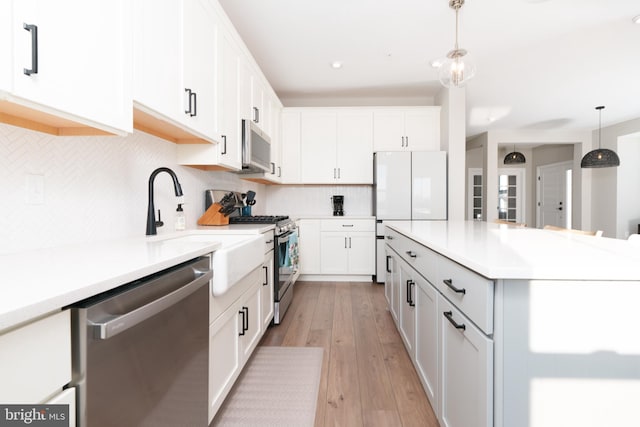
(95, 188)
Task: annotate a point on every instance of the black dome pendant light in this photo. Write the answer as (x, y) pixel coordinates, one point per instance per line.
(514, 158)
(602, 157)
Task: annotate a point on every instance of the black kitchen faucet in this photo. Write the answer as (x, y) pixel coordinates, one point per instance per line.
(151, 217)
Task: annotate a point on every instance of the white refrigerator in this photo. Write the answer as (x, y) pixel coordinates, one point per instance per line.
(407, 186)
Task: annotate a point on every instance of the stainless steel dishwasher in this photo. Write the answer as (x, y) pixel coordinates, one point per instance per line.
(140, 353)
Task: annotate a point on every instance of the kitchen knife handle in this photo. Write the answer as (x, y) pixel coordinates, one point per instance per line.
(33, 29)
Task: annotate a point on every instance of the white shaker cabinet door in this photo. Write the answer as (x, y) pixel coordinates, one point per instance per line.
(427, 338)
(73, 57)
(334, 257)
(361, 253)
(354, 147)
(466, 371)
(318, 148)
(422, 129)
(266, 291)
(407, 312)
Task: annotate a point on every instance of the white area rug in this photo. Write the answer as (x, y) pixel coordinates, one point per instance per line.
(279, 387)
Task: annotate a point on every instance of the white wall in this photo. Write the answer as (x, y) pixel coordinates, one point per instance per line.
(604, 195)
(95, 188)
(314, 200)
(628, 186)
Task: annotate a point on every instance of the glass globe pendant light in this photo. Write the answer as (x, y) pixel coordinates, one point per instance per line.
(456, 70)
(514, 158)
(602, 157)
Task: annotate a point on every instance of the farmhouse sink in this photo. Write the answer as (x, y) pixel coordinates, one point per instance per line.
(238, 255)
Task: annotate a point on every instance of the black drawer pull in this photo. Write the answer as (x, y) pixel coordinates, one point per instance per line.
(266, 275)
(347, 225)
(410, 301)
(449, 283)
(390, 237)
(449, 316)
(388, 268)
(412, 254)
(243, 321)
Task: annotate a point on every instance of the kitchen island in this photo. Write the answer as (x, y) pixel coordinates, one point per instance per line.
(522, 327)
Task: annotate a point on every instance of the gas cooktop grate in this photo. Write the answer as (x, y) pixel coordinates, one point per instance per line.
(258, 219)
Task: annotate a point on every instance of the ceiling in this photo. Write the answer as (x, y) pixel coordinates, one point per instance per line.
(541, 64)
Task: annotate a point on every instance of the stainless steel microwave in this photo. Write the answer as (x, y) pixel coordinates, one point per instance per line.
(256, 149)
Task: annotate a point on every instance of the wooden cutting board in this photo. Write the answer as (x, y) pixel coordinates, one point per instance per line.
(213, 217)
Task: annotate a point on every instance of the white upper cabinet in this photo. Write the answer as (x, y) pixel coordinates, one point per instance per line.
(336, 146)
(175, 71)
(66, 66)
(226, 155)
(290, 147)
(406, 129)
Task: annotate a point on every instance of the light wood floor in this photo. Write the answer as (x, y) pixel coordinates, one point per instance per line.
(367, 376)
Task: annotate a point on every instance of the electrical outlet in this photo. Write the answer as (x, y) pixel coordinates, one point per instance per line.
(34, 189)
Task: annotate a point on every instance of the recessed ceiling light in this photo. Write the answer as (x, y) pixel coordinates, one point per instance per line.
(437, 63)
(336, 64)
(636, 19)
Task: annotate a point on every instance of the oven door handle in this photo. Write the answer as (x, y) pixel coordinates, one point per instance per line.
(112, 327)
(286, 236)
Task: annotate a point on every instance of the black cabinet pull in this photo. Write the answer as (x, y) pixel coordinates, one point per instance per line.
(402, 145)
(279, 171)
(194, 108)
(188, 101)
(407, 141)
(347, 225)
(273, 168)
(449, 283)
(389, 237)
(246, 317)
(388, 268)
(256, 115)
(33, 29)
(243, 321)
(449, 316)
(224, 144)
(266, 275)
(410, 301)
(412, 254)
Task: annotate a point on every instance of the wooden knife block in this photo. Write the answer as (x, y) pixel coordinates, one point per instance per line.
(213, 217)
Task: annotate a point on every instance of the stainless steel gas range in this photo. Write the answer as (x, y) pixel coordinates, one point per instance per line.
(286, 269)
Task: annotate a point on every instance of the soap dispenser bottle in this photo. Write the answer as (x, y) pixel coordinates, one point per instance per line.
(181, 222)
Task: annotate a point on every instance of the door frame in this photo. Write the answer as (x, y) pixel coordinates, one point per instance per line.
(521, 185)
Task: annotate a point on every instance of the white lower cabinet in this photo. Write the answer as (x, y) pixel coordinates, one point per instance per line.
(233, 335)
(466, 369)
(266, 291)
(426, 346)
(407, 315)
(452, 356)
(309, 242)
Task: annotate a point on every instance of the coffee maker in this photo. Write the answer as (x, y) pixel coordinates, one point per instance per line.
(338, 205)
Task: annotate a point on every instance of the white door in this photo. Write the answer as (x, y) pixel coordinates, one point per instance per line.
(388, 131)
(318, 148)
(407, 315)
(229, 69)
(511, 190)
(81, 49)
(466, 371)
(361, 253)
(393, 185)
(429, 185)
(422, 129)
(427, 338)
(354, 147)
(199, 67)
(334, 256)
(554, 195)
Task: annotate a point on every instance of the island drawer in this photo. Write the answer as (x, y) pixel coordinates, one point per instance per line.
(347, 225)
(470, 292)
(422, 259)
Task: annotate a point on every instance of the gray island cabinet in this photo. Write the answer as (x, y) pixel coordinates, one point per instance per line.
(517, 327)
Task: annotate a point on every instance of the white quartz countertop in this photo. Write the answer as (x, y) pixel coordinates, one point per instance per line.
(344, 218)
(506, 252)
(34, 283)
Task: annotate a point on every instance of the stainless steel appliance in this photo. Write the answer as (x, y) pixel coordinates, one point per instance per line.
(286, 269)
(140, 355)
(256, 149)
(407, 186)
